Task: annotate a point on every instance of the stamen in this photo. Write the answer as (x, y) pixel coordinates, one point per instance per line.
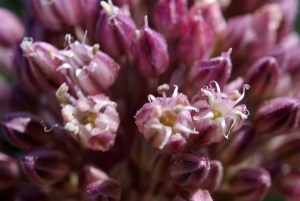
(175, 93)
(68, 39)
(25, 45)
(146, 21)
(95, 49)
(137, 35)
(182, 128)
(167, 137)
(64, 66)
(52, 127)
(104, 104)
(217, 86)
(84, 37)
(245, 87)
(178, 108)
(229, 131)
(209, 95)
(72, 128)
(162, 90)
(107, 8)
(151, 98)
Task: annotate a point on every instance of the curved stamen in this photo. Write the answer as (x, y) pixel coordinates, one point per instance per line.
(84, 37)
(245, 87)
(178, 108)
(175, 93)
(52, 127)
(229, 131)
(217, 86)
(151, 98)
(146, 21)
(209, 95)
(167, 136)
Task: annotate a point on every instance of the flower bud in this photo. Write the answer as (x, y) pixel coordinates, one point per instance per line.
(166, 122)
(189, 169)
(57, 15)
(41, 64)
(216, 69)
(250, 184)
(195, 39)
(238, 147)
(114, 30)
(214, 177)
(277, 116)
(288, 150)
(289, 10)
(25, 130)
(207, 132)
(263, 77)
(92, 121)
(9, 172)
(193, 195)
(91, 15)
(11, 28)
(289, 185)
(150, 52)
(45, 166)
(168, 15)
(88, 68)
(212, 14)
(107, 189)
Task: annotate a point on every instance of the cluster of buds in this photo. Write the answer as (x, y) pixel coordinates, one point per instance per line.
(74, 104)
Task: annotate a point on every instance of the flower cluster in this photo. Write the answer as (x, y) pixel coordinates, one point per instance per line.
(76, 75)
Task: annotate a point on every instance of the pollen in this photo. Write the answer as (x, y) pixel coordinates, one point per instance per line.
(168, 118)
(217, 113)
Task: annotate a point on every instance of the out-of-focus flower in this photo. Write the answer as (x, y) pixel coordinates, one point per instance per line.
(92, 121)
(11, 28)
(45, 166)
(289, 185)
(9, 171)
(193, 195)
(57, 15)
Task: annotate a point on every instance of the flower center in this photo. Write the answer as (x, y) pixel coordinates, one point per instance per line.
(168, 118)
(217, 113)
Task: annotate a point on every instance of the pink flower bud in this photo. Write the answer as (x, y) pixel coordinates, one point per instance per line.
(193, 195)
(195, 39)
(189, 169)
(25, 130)
(263, 77)
(214, 177)
(45, 166)
(289, 185)
(203, 72)
(9, 172)
(289, 11)
(212, 14)
(88, 68)
(218, 107)
(250, 184)
(150, 52)
(114, 30)
(11, 28)
(168, 15)
(166, 122)
(237, 147)
(277, 116)
(57, 15)
(41, 64)
(92, 121)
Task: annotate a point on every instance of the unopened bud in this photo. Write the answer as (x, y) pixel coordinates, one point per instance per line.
(193, 195)
(9, 171)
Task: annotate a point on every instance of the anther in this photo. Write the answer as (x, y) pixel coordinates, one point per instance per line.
(162, 89)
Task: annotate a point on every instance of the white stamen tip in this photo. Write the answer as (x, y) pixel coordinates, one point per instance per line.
(146, 21)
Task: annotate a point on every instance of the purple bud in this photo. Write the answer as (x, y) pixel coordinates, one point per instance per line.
(263, 77)
(216, 69)
(41, 64)
(288, 151)
(88, 68)
(289, 10)
(250, 184)
(277, 116)
(289, 185)
(189, 169)
(237, 147)
(168, 15)
(25, 130)
(193, 195)
(207, 132)
(212, 14)
(195, 39)
(150, 52)
(45, 166)
(57, 15)
(114, 30)
(107, 189)
(214, 177)
(9, 172)
(11, 28)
